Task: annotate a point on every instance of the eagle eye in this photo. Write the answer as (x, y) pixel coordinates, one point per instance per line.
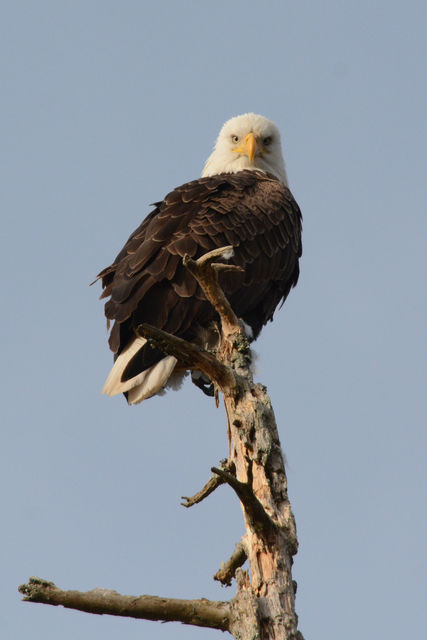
(235, 139)
(267, 141)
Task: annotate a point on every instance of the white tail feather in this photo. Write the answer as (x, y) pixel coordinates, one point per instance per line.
(153, 381)
(143, 385)
(113, 384)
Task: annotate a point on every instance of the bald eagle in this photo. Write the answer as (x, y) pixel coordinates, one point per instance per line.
(243, 200)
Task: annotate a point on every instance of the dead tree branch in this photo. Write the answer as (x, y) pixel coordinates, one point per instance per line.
(205, 270)
(209, 488)
(201, 613)
(189, 355)
(264, 606)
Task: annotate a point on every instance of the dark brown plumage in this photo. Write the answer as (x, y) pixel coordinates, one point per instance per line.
(251, 210)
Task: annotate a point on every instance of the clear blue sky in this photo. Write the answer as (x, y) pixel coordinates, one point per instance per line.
(105, 107)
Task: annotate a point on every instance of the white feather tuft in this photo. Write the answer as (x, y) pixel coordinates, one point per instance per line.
(153, 380)
(248, 330)
(227, 254)
(176, 380)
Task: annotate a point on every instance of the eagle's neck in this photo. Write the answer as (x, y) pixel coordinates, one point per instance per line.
(217, 163)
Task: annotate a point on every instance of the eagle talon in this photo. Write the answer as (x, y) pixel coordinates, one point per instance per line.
(204, 384)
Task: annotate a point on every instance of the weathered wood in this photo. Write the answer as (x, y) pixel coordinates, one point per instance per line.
(267, 601)
(201, 613)
(228, 569)
(256, 452)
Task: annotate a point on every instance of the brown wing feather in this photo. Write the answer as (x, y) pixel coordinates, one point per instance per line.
(148, 283)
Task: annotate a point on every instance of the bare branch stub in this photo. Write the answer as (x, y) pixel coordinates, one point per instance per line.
(201, 613)
(213, 483)
(228, 569)
(209, 488)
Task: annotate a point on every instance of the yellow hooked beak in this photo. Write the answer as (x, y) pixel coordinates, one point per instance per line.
(248, 147)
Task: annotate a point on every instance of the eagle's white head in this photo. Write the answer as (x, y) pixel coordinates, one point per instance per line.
(249, 141)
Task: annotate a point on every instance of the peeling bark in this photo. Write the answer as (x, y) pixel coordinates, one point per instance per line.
(271, 540)
(267, 601)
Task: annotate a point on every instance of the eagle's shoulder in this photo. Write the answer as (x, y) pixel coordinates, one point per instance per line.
(226, 203)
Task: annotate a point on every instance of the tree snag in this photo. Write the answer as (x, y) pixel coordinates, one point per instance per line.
(264, 605)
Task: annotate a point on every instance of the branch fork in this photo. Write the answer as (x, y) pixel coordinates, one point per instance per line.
(253, 508)
(206, 270)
